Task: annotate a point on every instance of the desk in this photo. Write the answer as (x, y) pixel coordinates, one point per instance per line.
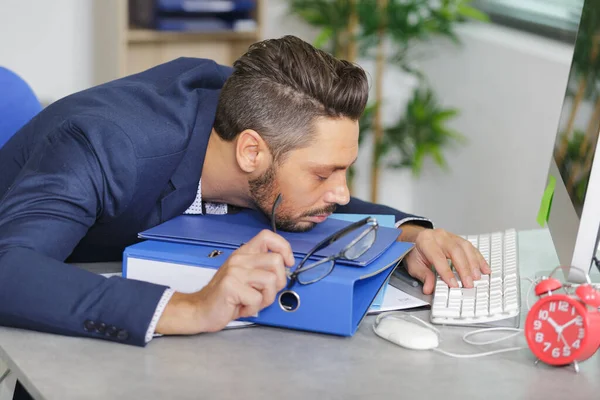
(269, 363)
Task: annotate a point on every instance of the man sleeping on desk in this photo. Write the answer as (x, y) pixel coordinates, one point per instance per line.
(89, 172)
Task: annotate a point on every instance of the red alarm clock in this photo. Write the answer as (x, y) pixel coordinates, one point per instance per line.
(563, 329)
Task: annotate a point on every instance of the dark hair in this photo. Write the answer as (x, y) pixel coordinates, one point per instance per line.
(280, 86)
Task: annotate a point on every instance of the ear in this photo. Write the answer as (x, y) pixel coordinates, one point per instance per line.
(251, 151)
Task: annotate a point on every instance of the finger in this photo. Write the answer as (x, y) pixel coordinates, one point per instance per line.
(433, 252)
(249, 301)
(271, 262)
(429, 283)
(484, 267)
(473, 261)
(274, 263)
(460, 261)
(267, 241)
(425, 275)
(266, 283)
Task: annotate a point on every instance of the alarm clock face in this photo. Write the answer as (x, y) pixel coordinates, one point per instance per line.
(556, 329)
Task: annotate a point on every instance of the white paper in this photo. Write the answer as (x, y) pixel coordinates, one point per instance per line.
(199, 280)
(395, 299)
(238, 324)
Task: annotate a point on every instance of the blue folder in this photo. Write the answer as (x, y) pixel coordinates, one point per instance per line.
(334, 305)
(384, 220)
(233, 230)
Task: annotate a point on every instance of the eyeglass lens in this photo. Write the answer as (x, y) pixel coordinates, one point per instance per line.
(363, 244)
(316, 271)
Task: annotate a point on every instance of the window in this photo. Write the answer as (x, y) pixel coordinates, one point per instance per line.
(553, 18)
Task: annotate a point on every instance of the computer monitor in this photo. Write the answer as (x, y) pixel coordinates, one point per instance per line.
(574, 217)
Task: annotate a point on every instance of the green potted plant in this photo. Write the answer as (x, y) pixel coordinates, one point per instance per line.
(386, 31)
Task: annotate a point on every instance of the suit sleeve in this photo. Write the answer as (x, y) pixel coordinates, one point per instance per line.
(357, 206)
(58, 195)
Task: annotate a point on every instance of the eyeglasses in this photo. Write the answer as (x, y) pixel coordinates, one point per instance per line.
(365, 232)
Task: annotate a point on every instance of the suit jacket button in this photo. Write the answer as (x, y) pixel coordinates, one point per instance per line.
(111, 331)
(122, 334)
(101, 327)
(89, 325)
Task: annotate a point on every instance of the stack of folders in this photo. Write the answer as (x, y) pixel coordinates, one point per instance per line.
(193, 15)
(185, 252)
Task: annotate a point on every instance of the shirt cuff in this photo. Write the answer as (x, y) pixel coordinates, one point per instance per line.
(160, 308)
(424, 222)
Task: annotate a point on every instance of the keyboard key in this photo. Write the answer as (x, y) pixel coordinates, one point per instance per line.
(511, 276)
(495, 280)
(454, 303)
(481, 310)
(439, 304)
(473, 240)
(446, 313)
(480, 284)
(511, 297)
(467, 313)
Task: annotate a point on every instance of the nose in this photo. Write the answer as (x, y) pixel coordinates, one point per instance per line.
(339, 193)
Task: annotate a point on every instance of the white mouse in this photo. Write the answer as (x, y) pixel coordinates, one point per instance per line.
(408, 334)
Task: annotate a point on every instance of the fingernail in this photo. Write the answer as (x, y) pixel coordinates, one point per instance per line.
(468, 281)
(453, 283)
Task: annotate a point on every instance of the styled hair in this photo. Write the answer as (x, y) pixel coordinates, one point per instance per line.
(279, 87)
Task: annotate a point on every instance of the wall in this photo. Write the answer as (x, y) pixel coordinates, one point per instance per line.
(508, 86)
(48, 43)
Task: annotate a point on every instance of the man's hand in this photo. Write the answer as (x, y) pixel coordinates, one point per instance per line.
(247, 282)
(437, 246)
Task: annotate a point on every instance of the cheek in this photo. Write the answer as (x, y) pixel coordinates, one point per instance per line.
(301, 194)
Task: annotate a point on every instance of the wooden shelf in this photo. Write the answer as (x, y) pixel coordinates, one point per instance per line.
(121, 49)
(137, 35)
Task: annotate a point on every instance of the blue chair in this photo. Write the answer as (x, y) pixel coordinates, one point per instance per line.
(18, 104)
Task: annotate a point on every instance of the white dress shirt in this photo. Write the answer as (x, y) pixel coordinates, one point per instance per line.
(196, 208)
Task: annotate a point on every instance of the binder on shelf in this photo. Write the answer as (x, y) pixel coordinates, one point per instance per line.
(334, 305)
(193, 15)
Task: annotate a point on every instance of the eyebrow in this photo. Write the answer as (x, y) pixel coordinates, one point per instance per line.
(334, 167)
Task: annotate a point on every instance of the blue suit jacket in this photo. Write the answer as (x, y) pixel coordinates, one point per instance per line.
(86, 175)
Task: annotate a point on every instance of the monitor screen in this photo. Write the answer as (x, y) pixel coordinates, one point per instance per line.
(574, 217)
(580, 117)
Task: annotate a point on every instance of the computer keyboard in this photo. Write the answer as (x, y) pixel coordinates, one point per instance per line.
(495, 299)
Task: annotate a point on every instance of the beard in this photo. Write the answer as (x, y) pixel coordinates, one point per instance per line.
(264, 191)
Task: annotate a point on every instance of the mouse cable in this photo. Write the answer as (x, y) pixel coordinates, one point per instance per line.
(465, 338)
(515, 332)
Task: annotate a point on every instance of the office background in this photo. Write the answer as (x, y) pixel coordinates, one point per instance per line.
(507, 83)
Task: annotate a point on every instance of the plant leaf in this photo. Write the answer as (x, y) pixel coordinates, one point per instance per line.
(323, 37)
(471, 12)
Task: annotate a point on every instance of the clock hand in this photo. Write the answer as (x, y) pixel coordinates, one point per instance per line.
(560, 335)
(554, 324)
(556, 327)
(571, 322)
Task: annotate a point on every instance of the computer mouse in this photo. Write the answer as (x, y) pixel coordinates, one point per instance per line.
(408, 334)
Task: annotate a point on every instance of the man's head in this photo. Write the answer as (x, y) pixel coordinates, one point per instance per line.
(292, 113)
